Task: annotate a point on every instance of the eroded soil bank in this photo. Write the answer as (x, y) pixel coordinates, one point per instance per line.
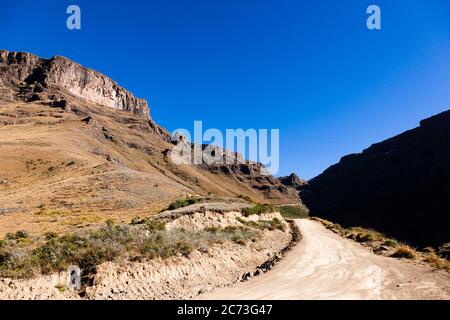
(179, 277)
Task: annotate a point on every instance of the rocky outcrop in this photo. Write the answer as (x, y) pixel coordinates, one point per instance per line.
(19, 69)
(292, 181)
(400, 186)
(220, 161)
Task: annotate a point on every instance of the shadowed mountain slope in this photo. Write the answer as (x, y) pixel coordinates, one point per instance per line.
(400, 186)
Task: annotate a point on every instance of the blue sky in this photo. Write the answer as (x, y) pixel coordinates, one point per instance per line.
(310, 68)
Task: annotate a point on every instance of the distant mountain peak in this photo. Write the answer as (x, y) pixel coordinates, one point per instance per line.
(21, 69)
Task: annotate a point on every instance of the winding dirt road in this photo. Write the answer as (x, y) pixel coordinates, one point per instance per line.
(326, 266)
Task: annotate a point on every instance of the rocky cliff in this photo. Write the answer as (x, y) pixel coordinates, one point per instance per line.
(25, 69)
(292, 181)
(400, 186)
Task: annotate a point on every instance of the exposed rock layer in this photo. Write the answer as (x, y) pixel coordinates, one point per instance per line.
(16, 67)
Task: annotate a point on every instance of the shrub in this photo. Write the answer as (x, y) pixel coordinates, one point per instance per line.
(294, 212)
(154, 224)
(404, 251)
(183, 203)
(437, 261)
(249, 223)
(258, 209)
(137, 221)
(390, 242)
(274, 224)
(233, 233)
(151, 224)
(110, 243)
(444, 250)
(51, 235)
(364, 237)
(19, 235)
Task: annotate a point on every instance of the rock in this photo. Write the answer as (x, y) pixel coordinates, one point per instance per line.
(65, 74)
(38, 88)
(292, 181)
(63, 103)
(381, 249)
(87, 120)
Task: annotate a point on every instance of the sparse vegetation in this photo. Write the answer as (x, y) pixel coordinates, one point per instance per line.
(143, 238)
(18, 236)
(390, 242)
(184, 203)
(444, 250)
(274, 224)
(233, 233)
(437, 261)
(49, 213)
(151, 223)
(405, 252)
(258, 209)
(294, 212)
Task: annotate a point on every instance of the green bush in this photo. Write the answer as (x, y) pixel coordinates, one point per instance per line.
(274, 224)
(19, 235)
(184, 203)
(151, 224)
(390, 242)
(258, 209)
(294, 212)
(110, 243)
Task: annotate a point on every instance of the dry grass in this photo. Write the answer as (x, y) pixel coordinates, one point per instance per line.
(404, 251)
(440, 263)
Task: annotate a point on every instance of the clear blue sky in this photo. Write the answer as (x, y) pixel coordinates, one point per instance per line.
(310, 68)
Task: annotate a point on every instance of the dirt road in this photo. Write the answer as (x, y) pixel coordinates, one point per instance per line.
(326, 266)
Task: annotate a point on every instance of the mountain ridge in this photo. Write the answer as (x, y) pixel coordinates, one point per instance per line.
(80, 81)
(68, 160)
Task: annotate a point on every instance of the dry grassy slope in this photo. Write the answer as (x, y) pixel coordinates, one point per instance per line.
(59, 173)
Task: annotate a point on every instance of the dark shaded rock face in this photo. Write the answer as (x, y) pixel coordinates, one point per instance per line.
(400, 186)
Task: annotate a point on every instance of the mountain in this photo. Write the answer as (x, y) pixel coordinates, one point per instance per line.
(77, 148)
(400, 186)
(293, 181)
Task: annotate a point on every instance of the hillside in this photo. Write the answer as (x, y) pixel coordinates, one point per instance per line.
(400, 186)
(77, 149)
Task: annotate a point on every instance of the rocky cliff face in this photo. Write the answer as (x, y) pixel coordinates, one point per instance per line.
(400, 186)
(25, 69)
(292, 181)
